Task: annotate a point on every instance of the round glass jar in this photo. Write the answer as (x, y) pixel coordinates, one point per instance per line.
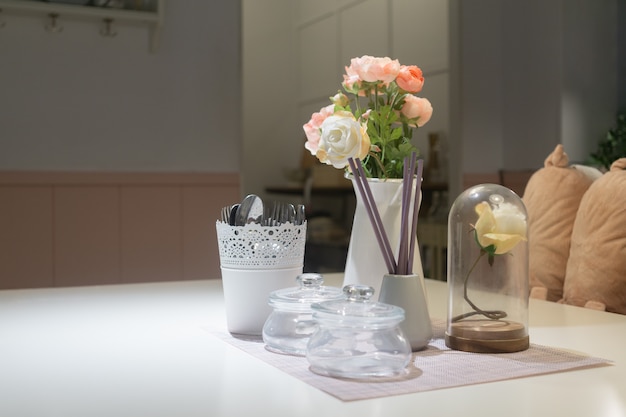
(357, 337)
(487, 271)
(290, 324)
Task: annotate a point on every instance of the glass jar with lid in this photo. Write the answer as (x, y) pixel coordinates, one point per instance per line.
(290, 324)
(357, 337)
(487, 271)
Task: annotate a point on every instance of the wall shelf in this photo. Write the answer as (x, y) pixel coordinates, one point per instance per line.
(106, 16)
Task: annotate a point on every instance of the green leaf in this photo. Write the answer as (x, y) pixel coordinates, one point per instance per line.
(612, 146)
(396, 133)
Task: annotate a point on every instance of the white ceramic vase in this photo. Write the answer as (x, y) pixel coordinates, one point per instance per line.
(365, 264)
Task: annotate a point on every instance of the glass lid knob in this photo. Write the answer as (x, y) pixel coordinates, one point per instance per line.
(310, 280)
(358, 292)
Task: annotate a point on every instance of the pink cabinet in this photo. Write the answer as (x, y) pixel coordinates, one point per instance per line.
(64, 229)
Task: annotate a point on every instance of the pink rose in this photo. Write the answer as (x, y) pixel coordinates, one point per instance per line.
(371, 69)
(410, 78)
(313, 137)
(351, 81)
(312, 129)
(418, 110)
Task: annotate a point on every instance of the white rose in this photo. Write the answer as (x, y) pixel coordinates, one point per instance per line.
(343, 137)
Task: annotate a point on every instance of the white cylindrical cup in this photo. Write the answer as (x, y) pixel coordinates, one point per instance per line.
(246, 296)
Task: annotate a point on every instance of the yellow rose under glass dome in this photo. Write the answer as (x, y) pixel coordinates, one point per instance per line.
(488, 271)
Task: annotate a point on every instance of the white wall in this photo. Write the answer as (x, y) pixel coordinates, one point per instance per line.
(479, 89)
(531, 75)
(590, 96)
(270, 125)
(78, 101)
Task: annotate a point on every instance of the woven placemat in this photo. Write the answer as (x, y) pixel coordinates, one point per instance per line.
(435, 367)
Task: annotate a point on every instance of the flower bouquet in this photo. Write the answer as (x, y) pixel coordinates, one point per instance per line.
(373, 119)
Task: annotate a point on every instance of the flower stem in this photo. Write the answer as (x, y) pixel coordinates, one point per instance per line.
(490, 314)
(379, 164)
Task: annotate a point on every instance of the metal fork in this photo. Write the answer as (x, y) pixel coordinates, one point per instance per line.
(269, 214)
(225, 214)
(276, 214)
(280, 213)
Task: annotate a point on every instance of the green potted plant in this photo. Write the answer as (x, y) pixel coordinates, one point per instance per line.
(612, 146)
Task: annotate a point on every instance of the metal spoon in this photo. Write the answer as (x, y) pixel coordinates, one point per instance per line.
(300, 214)
(232, 214)
(291, 214)
(249, 211)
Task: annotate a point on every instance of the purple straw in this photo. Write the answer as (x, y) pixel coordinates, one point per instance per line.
(407, 178)
(372, 212)
(418, 189)
(403, 216)
(386, 245)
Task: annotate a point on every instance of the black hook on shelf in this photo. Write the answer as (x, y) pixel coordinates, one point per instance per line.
(107, 30)
(53, 26)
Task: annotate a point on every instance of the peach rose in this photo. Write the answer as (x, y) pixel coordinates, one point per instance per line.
(312, 129)
(371, 69)
(342, 138)
(418, 110)
(410, 78)
(351, 80)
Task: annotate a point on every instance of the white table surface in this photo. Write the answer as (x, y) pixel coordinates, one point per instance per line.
(143, 350)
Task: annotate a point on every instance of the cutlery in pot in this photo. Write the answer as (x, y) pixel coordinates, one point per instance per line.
(249, 211)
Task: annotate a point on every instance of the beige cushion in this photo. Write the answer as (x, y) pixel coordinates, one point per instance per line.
(596, 268)
(552, 196)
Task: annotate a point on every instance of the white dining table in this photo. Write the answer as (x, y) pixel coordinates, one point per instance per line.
(145, 350)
